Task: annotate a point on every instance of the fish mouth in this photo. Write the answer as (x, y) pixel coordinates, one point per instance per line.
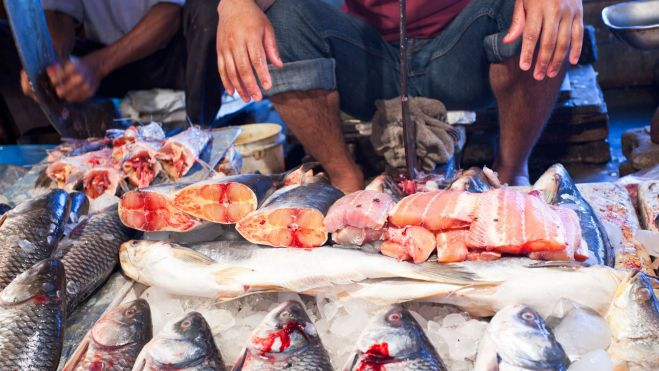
(126, 252)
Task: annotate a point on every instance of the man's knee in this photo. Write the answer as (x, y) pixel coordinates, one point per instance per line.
(200, 16)
(289, 15)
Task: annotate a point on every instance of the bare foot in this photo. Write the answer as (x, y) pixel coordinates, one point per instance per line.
(348, 181)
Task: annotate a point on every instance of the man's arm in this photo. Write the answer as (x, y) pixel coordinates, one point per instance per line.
(78, 79)
(245, 38)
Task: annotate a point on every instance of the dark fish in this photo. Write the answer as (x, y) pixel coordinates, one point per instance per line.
(475, 180)
(184, 345)
(4, 208)
(557, 188)
(31, 318)
(90, 252)
(115, 340)
(291, 217)
(517, 338)
(79, 206)
(30, 232)
(393, 340)
(285, 340)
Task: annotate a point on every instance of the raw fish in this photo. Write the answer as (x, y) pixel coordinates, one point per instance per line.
(69, 170)
(452, 246)
(412, 243)
(476, 180)
(101, 180)
(359, 217)
(139, 163)
(291, 217)
(573, 249)
(435, 211)
(181, 151)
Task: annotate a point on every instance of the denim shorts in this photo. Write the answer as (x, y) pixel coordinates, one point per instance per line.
(324, 48)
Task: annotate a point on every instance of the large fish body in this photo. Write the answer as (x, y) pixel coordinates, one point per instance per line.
(633, 319)
(152, 210)
(394, 341)
(226, 200)
(115, 340)
(557, 188)
(235, 270)
(180, 152)
(517, 338)
(286, 339)
(30, 232)
(291, 217)
(90, 253)
(187, 344)
(31, 318)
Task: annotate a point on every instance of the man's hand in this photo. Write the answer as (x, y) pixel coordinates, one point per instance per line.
(556, 24)
(245, 38)
(26, 85)
(77, 80)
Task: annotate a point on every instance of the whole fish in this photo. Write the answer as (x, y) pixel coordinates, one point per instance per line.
(115, 340)
(187, 344)
(394, 340)
(4, 208)
(30, 231)
(90, 253)
(499, 283)
(152, 210)
(557, 188)
(633, 319)
(476, 180)
(286, 339)
(239, 269)
(291, 217)
(31, 318)
(517, 338)
(180, 152)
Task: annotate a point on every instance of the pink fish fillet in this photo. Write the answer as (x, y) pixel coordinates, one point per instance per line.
(435, 211)
(572, 250)
(180, 152)
(512, 222)
(101, 180)
(452, 246)
(410, 243)
(359, 217)
(69, 170)
(140, 164)
(152, 210)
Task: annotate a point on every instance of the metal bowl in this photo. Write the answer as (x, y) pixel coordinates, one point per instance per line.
(635, 22)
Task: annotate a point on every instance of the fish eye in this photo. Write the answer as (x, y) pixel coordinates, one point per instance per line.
(528, 316)
(395, 317)
(285, 314)
(186, 324)
(47, 287)
(130, 312)
(643, 294)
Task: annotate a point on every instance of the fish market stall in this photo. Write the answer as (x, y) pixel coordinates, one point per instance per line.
(182, 261)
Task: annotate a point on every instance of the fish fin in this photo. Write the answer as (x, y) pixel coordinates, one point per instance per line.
(190, 256)
(240, 362)
(560, 264)
(77, 356)
(444, 273)
(224, 275)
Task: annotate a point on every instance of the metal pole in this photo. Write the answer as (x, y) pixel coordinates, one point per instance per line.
(409, 127)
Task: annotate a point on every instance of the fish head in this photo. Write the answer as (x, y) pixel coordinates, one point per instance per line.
(42, 284)
(286, 329)
(123, 325)
(393, 334)
(136, 255)
(634, 311)
(523, 339)
(554, 182)
(183, 343)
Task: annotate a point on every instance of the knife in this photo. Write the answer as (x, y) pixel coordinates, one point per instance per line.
(35, 48)
(409, 126)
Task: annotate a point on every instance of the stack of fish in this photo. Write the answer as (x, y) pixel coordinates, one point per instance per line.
(138, 154)
(44, 278)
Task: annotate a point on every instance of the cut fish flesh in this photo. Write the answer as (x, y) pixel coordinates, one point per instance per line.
(291, 217)
(152, 210)
(435, 211)
(573, 249)
(181, 151)
(512, 222)
(140, 164)
(411, 243)
(452, 246)
(69, 170)
(359, 217)
(101, 180)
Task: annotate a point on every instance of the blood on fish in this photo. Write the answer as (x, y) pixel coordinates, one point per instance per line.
(284, 335)
(375, 358)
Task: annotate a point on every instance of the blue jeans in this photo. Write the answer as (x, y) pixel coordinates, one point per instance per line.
(323, 48)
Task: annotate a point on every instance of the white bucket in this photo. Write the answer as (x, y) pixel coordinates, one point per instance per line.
(262, 148)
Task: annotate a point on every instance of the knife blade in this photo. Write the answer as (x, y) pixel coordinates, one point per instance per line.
(409, 126)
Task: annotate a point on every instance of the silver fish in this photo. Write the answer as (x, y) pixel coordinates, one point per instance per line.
(285, 340)
(187, 344)
(475, 180)
(394, 341)
(517, 338)
(30, 231)
(31, 318)
(633, 319)
(115, 340)
(241, 268)
(558, 188)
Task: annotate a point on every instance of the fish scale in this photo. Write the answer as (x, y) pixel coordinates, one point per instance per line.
(31, 318)
(37, 225)
(90, 252)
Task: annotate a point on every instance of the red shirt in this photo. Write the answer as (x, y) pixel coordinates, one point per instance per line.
(425, 18)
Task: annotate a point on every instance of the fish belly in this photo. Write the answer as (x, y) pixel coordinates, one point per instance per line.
(224, 203)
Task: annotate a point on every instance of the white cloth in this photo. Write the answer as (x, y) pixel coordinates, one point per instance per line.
(105, 21)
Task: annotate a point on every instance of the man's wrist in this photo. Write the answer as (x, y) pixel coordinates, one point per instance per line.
(100, 61)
